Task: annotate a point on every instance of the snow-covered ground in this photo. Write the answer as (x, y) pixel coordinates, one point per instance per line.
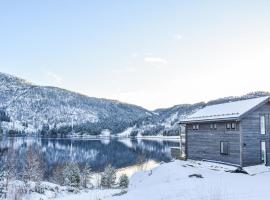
(172, 182)
(187, 180)
(96, 194)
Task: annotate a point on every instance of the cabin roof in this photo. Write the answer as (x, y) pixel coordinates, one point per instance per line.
(225, 111)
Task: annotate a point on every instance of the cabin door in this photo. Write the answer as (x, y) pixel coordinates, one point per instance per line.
(263, 152)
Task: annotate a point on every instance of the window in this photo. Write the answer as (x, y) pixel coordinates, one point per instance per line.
(263, 152)
(262, 124)
(213, 126)
(224, 148)
(195, 127)
(233, 126)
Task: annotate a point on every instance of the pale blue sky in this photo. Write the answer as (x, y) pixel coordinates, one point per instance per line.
(153, 53)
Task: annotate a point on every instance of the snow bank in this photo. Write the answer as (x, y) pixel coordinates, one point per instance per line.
(172, 181)
(185, 180)
(96, 194)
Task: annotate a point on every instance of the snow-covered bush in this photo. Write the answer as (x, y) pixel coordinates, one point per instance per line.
(108, 177)
(39, 189)
(123, 181)
(16, 190)
(49, 187)
(72, 175)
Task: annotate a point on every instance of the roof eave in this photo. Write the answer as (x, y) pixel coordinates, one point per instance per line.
(210, 120)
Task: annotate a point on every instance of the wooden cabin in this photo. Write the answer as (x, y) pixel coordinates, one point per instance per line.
(235, 133)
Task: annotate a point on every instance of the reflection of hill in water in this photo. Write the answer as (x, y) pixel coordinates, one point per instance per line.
(98, 153)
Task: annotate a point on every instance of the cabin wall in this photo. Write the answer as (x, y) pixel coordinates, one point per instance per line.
(252, 137)
(205, 143)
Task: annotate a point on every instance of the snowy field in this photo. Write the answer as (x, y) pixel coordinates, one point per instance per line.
(172, 182)
(188, 180)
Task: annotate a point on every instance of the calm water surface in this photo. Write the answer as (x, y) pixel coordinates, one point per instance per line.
(98, 153)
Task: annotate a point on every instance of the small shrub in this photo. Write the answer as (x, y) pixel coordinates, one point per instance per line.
(123, 181)
(72, 175)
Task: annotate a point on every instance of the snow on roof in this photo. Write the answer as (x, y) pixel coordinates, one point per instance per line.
(230, 110)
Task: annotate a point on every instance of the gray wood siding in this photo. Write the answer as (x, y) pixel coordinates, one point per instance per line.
(205, 143)
(252, 137)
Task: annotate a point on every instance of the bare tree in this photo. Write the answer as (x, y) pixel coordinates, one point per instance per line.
(10, 169)
(33, 169)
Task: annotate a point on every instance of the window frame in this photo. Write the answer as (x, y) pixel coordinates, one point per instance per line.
(262, 130)
(233, 126)
(213, 126)
(195, 127)
(263, 158)
(228, 124)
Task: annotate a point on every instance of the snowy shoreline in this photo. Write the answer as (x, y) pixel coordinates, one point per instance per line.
(185, 180)
(158, 137)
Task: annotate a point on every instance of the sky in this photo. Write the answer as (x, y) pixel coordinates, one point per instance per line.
(152, 53)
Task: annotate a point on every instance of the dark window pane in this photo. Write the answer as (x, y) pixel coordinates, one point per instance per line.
(224, 148)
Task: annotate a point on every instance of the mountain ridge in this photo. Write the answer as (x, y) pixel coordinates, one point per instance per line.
(29, 108)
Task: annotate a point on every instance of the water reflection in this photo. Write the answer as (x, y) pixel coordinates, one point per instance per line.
(98, 153)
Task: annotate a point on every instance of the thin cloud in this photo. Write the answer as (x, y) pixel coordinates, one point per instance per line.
(155, 60)
(55, 77)
(177, 37)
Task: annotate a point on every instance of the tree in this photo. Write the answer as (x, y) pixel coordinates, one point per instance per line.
(123, 181)
(2, 177)
(58, 176)
(108, 177)
(8, 172)
(33, 169)
(10, 168)
(86, 175)
(72, 175)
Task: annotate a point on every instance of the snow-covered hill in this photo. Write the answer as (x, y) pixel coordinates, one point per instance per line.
(28, 107)
(31, 108)
(165, 121)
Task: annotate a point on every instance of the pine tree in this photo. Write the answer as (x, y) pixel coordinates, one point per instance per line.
(108, 177)
(72, 175)
(123, 181)
(86, 175)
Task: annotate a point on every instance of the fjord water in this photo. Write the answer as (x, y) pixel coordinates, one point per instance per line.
(98, 153)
